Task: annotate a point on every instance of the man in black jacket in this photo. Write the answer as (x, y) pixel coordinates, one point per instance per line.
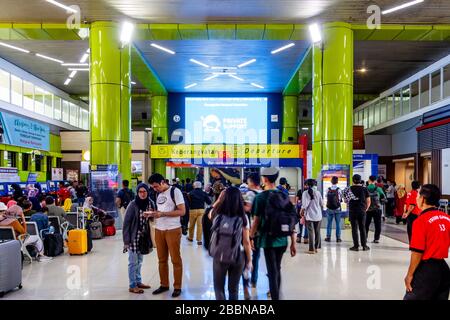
(198, 199)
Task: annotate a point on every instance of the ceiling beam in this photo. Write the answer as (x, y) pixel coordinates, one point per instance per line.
(302, 75)
(142, 71)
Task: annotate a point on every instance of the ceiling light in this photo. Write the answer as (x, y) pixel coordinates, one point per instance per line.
(405, 5)
(246, 63)
(283, 48)
(49, 58)
(257, 85)
(362, 70)
(78, 69)
(235, 77)
(72, 74)
(13, 47)
(221, 73)
(190, 86)
(62, 6)
(126, 33)
(305, 129)
(226, 68)
(88, 50)
(314, 31)
(162, 48)
(211, 77)
(199, 63)
(84, 58)
(75, 64)
(132, 82)
(67, 81)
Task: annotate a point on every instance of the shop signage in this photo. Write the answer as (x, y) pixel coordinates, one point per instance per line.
(71, 175)
(22, 132)
(57, 174)
(9, 175)
(32, 178)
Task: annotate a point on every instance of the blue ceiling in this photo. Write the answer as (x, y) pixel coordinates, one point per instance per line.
(270, 71)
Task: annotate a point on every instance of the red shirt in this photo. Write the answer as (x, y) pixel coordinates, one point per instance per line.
(411, 199)
(431, 234)
(63, 194)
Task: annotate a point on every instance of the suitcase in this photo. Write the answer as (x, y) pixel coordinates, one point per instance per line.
(53, 244)
(77, 241)
(109, 231)
(10, 266)
(96, 230)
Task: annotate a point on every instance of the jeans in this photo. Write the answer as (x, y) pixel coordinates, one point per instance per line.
(273, 263)
(255, 261)
(234, 271)
(81, 201)
(376, 216)
(134, 268)
(314, 234)
(358, 222)
(300, 231)
(334, 215)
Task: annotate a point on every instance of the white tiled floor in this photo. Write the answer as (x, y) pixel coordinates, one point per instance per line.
(333, 273)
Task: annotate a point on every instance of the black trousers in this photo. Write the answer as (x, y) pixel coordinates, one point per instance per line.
(376, 216)
(431, 281)
(273, 263)
(409, 225)
(390, 207)
(358, 223)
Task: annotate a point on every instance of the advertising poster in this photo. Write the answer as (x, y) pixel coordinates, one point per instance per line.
(32, 178)
(342, 172)
(23, 132)
(225, 174)
(71, 175)
(57, 174)
(9, 175)
(136, 167)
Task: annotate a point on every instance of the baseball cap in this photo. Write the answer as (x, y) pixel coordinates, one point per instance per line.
(269, 171)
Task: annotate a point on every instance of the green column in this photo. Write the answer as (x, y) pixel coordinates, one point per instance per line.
(159, 120)
(159, 166)
(110, 98)
(290, 119)
(333, 97)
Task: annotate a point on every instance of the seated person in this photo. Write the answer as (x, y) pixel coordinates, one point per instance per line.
(8, 218)
(54, 210)
(67, 205)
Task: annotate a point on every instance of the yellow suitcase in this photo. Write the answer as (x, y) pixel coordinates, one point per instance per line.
(77, 241)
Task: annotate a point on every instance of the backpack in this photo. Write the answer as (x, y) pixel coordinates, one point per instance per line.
(374, 200)
(280, 216)
(333, 202)
(185, 197)
(226, 239)
(127, 197)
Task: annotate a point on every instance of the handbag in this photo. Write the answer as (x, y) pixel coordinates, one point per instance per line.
(145, 245)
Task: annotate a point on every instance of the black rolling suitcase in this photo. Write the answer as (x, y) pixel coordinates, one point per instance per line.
(53, 244)
(206, 226)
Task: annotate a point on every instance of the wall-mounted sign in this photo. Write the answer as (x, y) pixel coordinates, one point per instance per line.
(22, 132)
(32, 178)
(274, 118)
(9, 175)
(57, 174)
(71, 175)
(136, 167)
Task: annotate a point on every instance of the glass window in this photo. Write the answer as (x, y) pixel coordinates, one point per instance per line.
(383, 115)
(376, 113)
(406, 98)
(397, 104)
(16, 91)
(11, 159)
(414, 96)
(38, 162)
(28, 95)
(366, 118)
(447, 81)
(425, 91)
(48, 101)
(84, 119)
(390, 107)
(39, 100)
(370, 117)
(25, 161)
(4, 86)
(57, 108)
(74, 114)
(65, 111)
(436, 86)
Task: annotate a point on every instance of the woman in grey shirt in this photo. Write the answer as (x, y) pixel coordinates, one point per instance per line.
(312, 206)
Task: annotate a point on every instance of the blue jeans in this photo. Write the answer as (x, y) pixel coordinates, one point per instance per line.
(134, 268)
(255, 262)
(336, 215)
(300, 231)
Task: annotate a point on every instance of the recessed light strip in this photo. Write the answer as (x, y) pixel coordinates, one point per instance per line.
(405, 5)
(190, 86)
(13, 47)
(133, 83)
(211, 77)
(75, 64)
(84, 58)
(257, 85)
(283, 48)
(235, 77)
(78, 69)
(49, 58)
(246, 63)
(223, 73)
(199, 63)
(62, 6)
(315, 33)
(72, 74)
(228, 68)
(162, 48)
(67, 81)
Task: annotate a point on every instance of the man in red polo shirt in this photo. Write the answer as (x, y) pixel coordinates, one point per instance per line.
(428, 275)
(412, 210)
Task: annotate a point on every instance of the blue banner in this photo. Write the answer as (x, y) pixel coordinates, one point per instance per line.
(25, 133)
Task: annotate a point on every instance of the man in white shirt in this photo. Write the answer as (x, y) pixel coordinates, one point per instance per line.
(170, 206)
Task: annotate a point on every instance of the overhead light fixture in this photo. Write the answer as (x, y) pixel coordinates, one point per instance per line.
(67, 81)
(190, 86)
(162, 48)
(257, 85)
(62, 6)
(78, 69)
(88, 50)
(49, 58)
(227, 68)
(199, 63)
(221, 73)
(13, 47)
(283, 48)
(305, 129)
(211, 77)
(235, 77)
(72, 74)
(75, 64)
(405, 5)
(363, 70)
(246, 63)
(314, 31)
(84, 58)
(126, 33)
(132, 82)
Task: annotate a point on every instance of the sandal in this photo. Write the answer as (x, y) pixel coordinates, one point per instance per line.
(136, 290)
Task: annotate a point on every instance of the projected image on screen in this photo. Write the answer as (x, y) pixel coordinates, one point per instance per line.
(226, 120)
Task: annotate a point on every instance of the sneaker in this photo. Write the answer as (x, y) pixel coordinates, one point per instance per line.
(354, 249)
(328, 239)
(143, 286)
(160, 290)
(310, 252)
(176, 293)
(376, 241)
(338, 240)
(366, 248)
(136, 290)
(199, 243)
(43, 258)
(191, 240)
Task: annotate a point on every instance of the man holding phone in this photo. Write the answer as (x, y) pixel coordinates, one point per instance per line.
(170, 207)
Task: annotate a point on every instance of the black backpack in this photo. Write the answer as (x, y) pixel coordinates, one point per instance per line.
(127, 197)
(185, 197)
(375, 203)
(226, 239)
(280, 216)
(333, 202)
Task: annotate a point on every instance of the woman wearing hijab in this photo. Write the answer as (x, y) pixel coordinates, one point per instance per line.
(67, 205)
(8, 218)
(17, 193)
(137, 235)
(400, 200)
